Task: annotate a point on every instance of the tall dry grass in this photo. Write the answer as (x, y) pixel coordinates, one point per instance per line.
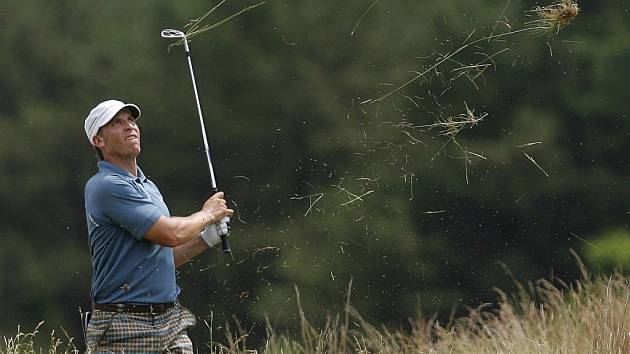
(588, 316)
(24, 343)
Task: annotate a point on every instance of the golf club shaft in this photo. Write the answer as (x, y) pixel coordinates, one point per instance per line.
(224, 241)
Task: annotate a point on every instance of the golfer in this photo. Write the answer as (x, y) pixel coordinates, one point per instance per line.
(135, 244)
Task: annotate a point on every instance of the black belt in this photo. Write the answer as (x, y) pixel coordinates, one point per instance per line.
(145, 308)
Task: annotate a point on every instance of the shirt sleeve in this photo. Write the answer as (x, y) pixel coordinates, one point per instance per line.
(129, 206)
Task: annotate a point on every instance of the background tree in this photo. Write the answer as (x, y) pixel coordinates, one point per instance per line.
(285, 90)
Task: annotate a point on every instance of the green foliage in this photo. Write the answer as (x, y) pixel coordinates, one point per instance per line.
(609, 251)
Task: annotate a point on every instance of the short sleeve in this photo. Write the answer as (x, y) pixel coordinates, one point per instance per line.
(129, 206)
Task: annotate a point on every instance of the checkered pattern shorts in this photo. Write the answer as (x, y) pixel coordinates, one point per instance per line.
(112, 332)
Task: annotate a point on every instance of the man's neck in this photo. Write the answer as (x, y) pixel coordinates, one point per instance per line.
(130, 165)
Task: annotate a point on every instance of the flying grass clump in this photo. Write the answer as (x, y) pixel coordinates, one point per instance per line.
(197, 26)
(548, 19)
(554, 17)
(551, 18)
(451, 126)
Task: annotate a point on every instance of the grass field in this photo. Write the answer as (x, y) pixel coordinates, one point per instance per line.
(589, 316)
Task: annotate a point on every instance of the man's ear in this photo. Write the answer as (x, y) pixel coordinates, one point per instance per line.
(98, 141)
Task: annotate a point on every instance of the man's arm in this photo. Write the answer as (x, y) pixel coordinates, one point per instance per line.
(177, 231)
(189, 250)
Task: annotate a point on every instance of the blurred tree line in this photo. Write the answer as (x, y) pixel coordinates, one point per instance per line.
(335, 191)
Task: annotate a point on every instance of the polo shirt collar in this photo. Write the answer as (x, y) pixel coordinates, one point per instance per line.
(104, 166)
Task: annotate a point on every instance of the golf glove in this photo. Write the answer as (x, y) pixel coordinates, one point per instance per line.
(213, 232)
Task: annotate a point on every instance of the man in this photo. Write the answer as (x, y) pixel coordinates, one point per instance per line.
(135, 244)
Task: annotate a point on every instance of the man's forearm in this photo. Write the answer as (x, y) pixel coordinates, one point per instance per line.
(189, 250)
(177, 231)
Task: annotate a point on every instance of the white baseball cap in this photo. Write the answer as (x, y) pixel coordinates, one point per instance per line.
(104, 112)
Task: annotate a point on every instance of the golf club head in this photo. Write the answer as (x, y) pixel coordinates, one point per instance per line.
(172, 33)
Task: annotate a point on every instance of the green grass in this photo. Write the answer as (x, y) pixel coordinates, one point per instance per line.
(589, 316)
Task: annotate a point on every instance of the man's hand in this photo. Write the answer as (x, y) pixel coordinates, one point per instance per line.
(213, 232)
(216, 208)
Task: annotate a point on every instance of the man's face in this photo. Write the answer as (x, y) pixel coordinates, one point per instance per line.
(120, 137)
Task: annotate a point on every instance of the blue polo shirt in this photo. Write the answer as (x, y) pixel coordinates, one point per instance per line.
(127, 268)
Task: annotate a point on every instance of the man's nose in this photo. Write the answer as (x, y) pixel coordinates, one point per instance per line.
(129, 125)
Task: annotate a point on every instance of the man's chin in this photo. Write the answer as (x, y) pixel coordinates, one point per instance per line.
(134, 151)
(135, 148)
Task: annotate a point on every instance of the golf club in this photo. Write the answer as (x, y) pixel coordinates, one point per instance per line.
(172, 33)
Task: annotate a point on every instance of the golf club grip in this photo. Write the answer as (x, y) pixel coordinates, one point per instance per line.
(225, 244)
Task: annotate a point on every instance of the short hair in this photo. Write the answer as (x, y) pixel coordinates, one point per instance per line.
(99, 154)
(97, 151)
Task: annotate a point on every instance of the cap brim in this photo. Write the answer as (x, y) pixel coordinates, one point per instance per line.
(135, 110)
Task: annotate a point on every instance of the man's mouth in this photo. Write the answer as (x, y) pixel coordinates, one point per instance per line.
(131, 137)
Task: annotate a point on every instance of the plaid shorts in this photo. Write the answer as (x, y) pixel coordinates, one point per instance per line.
(113, 332)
